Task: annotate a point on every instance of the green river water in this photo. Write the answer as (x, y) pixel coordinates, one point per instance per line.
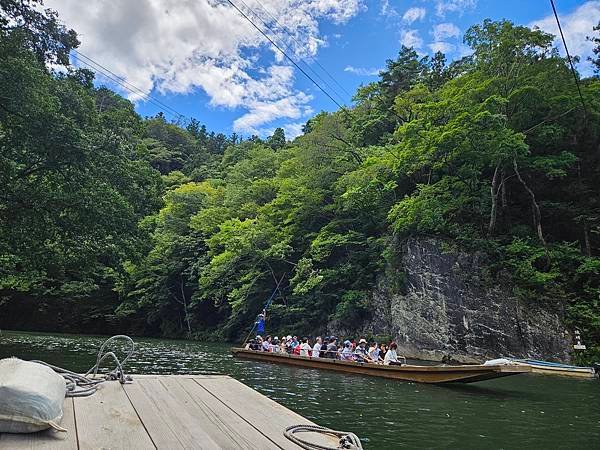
(524, 411)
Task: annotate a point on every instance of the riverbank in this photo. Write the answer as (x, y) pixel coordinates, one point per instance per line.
(522, 411)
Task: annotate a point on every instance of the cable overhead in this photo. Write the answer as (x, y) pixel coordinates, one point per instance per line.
(286, 31)
(89, 62)
(285, 54)
(289, 49)
(570, 59)
(106, 75)
(140, 91)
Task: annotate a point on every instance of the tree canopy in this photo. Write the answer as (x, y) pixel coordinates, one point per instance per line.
(189, 231)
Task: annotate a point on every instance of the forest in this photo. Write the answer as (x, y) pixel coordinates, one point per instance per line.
(113, 221)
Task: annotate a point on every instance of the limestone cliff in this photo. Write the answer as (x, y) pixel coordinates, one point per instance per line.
(442, 305)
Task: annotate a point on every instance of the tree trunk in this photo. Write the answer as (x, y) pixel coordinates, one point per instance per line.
(537, 215)
(586, 238)
(493, 213)
(586, 226)
(503, 187)
(185, 306)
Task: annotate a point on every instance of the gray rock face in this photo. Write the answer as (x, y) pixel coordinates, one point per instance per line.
(441, 305)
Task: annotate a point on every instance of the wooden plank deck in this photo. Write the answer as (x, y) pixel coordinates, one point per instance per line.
(169, 412)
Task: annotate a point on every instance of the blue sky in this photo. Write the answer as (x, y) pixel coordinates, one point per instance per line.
(205, 61)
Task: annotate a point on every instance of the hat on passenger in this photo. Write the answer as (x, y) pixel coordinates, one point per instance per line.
(362, 341)
(347, 342)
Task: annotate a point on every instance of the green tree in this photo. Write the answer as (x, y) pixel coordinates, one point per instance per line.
(23, 23)
(595, 60)
(72, 191)
(277, 140)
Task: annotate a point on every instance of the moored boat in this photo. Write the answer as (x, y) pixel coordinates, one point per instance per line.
(552, 368)
(407, 372)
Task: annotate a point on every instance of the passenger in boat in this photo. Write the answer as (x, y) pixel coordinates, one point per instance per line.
(297, 348)
(316, 351)
(275, 345)
(252, 345)
(332, 349)
(360, 352)
(288, 345)
(256, 343)
(283, 345)
(266, 345)
(391, 357)
(382, 351)
(374, 353)
(305, 348)
(347, 354)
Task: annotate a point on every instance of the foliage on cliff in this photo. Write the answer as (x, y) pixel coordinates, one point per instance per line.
(192, 231)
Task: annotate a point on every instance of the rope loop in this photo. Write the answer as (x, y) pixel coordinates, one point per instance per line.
(347, 440)
(83, 385)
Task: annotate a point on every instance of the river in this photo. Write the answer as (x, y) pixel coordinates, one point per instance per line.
(524, 411)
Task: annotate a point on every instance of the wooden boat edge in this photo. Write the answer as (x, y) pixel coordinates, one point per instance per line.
(547, 368)
(563, 372)
(424, 374)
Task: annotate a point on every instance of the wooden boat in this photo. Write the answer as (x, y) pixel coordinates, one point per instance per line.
(420, 374)
(551, 368)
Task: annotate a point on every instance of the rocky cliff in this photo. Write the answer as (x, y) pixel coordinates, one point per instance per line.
(443, 305)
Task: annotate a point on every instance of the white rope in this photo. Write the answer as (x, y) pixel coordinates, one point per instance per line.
(347, 440)
(83, 385)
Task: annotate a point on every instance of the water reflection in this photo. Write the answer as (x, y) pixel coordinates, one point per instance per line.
(514, 412)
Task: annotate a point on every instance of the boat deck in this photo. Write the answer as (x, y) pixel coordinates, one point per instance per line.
(169, 412)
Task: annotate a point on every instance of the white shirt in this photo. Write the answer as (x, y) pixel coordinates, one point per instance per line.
(374, 353)
(390, 356)
(275, 348)
(346, 354)
(266, 346)
(316, 350)
(305, 349)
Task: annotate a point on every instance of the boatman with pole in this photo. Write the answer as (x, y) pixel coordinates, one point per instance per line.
(260, 322)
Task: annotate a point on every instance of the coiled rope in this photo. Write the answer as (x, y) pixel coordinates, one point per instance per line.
(347, 440)
(83, 385)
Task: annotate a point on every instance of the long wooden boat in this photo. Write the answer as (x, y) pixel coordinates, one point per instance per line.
(421, 374)
(551, 368)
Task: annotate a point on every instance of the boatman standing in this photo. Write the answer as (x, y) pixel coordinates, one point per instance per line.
(260, 322)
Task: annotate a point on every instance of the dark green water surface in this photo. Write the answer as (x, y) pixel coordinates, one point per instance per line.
(524, 411)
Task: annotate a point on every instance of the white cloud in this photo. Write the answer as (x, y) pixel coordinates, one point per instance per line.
(411, 38)
(576, 26)
(444, 47)
(262, 112)
(413, 14)
(387, 10)
(363, 71)
(293, 130)
(177, 46)
(463, 50)
(451, 6)
(442, 31)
